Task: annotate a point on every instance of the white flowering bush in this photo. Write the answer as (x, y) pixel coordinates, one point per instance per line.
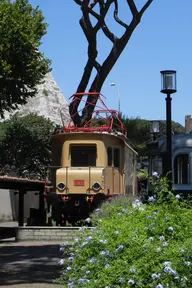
(133, 245)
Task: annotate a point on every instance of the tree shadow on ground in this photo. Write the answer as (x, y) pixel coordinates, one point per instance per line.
(20, 264)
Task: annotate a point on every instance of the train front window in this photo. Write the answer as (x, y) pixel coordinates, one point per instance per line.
(83, 155)
(181, 169)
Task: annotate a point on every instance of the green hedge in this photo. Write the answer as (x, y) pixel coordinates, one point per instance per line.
(133, 245)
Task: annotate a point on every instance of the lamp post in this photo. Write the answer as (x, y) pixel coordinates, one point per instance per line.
(168, 86)
(154, 128)
(118, 94)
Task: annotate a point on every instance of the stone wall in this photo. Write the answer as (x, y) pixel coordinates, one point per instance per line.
(46, 233)
(188, 124)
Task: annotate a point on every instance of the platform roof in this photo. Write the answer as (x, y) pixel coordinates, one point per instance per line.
(15, 183)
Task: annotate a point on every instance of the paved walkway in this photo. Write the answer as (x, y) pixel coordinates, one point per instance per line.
(29, 264)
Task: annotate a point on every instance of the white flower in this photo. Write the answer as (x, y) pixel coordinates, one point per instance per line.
(96, 210)
(150, 239)
(103, 241)
(169, 270)
(119, 248)
(159, 286)
(131, 281)
(162, 238)
(155, 276)
(70, 285)
(61, 262)
(187, 263)
(117, 232)
(107, 265)
(133, 270)
(165, 244)
(68, 268)
(92, 260)
(178, 196)
(124, 209)
(171, 228)
(151, 199)
(62, 249)
(88, 238)
(84, 243)
(167, 263)
(88, 272)
(136, 203)
(155, 174)
(88, 220)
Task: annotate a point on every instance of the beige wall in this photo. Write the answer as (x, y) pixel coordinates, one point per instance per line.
(9, 204)
(5, 205)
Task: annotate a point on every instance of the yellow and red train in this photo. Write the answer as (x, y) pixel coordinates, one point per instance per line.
(90, 164)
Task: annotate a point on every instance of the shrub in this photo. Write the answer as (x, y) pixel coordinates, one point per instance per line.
(134, 245)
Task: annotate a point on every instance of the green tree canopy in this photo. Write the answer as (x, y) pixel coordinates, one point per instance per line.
(138, 132)
(22, 65)
(25, 146)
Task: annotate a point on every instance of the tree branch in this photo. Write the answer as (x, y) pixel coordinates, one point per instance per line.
(147, 4)
(90, 31)
(116, 16)
(104, 27)
(132, 7)
(78, 2)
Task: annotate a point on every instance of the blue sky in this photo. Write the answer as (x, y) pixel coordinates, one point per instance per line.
(163, 40)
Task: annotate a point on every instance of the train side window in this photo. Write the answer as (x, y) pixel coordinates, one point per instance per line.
(109, 155)
(181, 169)
(83, 155)
(116, 158)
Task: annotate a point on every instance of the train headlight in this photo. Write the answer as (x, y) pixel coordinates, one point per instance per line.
(96, 186)
(61, 186)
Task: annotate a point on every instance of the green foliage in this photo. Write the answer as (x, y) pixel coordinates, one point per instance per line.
(22, 65)
(134, 245)
(25, 145)
(138, 132)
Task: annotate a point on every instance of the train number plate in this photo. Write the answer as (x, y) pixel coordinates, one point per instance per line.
(79, 183)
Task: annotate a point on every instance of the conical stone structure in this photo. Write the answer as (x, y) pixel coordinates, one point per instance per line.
(49, 102)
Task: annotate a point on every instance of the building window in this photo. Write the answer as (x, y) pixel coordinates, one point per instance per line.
(116, 158)
(109, 155)
(83, 155)
(181, 169)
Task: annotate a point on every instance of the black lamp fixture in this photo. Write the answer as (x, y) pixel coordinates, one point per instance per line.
(168, 86)
(154, 128)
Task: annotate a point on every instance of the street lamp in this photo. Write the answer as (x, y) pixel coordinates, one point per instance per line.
(168, 86)
(118, 94)
(154, 128)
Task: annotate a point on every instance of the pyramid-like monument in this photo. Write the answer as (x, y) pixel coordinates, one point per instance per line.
(49, 102)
